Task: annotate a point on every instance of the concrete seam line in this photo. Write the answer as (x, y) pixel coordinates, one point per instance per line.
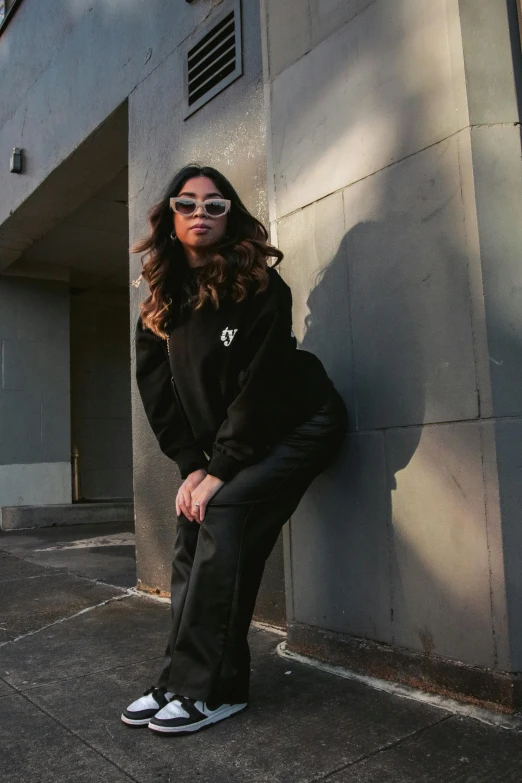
(514, 723)
(92, 673)
(79, 737)
(388, 746)
(129, 594)
(35, 576)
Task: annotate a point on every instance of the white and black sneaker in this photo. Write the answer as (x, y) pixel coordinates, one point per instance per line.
(143, 709)
(182, 715)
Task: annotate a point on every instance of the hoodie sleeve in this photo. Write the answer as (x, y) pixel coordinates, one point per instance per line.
(257, 414)
(153, 377)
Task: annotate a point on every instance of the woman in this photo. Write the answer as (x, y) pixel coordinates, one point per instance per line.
(249, 420)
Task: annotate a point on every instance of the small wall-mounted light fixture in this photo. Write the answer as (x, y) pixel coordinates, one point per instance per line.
(16, 160)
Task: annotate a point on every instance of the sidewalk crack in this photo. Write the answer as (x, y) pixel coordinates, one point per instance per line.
(131, 592)
(79, 737)
(382, 749)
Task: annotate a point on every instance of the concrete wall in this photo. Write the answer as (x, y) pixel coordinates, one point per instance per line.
(91, 57)
(100, 393)
(35, 451)
(394, 189)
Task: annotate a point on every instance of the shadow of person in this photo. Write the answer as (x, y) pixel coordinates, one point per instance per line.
(363, 325)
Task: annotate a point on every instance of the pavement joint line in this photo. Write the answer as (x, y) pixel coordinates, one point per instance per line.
(60, 571)
(499, 720)
(124, 538)
(97, 581)
(383, 749)
(79, 737)
(81, 676)
(128, 594)
(36, 576)
(12, 688)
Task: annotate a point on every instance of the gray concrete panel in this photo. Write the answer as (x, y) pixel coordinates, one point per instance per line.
(383, 87)
(409, 293)
(107, 482)
(441, 583)
(37, 365)
(62, 595)
(452, 751)
(329, 15)
(105, 444)
(497, 167)
(12, 568)
(35, 388)
(20, 427)
(99, 551)
(118, 635)
(492, 57)
(56, 428)
(315, 268)
(55, 755)
(340, 545)
(8, 313)
(100, 392)
(282, 18)
(43, 310)
(508, 436)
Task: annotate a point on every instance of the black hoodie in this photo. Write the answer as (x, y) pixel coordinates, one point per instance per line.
(230, 382)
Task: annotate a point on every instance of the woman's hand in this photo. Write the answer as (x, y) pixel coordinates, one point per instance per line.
(202, 494)
(184, 496)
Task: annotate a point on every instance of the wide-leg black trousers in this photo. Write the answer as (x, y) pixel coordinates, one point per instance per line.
(218, 564)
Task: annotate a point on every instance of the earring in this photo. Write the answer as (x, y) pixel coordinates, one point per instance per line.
(173, 236)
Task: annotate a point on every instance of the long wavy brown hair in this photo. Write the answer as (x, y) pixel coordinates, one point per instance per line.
(236, 265)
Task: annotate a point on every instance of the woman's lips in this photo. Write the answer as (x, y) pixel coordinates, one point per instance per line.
(200, 229)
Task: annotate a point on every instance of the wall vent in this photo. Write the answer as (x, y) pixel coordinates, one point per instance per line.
(214, 61)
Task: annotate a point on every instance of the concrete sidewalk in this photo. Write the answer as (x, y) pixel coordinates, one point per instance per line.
(77, 644)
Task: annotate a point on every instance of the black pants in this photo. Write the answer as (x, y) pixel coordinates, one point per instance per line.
(218, 564)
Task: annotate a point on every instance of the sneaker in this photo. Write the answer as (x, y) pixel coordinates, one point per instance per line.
(182, 714)
(143, 709)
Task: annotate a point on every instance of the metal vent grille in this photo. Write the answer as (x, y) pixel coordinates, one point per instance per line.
(214, 62)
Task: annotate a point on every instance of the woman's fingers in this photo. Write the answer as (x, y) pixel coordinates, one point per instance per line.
(195, 510)
(199, 511)
(185, 502)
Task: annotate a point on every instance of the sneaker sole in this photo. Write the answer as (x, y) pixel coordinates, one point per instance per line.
(232, 710)
(131, 722)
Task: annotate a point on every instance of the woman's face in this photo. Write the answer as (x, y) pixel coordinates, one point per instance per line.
(199, 231)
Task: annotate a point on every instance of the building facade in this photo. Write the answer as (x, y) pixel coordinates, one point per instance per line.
(380, 141)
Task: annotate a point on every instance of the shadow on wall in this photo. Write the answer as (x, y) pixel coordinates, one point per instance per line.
(399, 556)
(341, 551)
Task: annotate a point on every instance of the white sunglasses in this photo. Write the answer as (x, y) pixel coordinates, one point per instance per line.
(212, 207)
